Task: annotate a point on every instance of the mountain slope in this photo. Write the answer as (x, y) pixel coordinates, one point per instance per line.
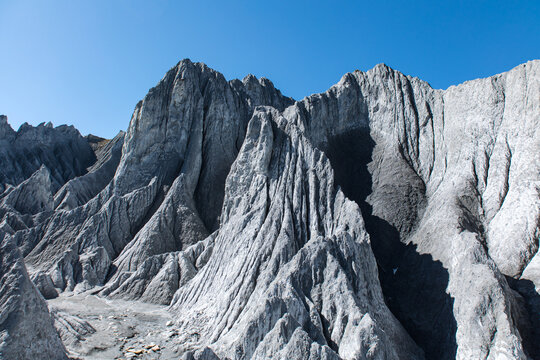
(442, 171)
(26, 327)
(380, 219)
(62, 150)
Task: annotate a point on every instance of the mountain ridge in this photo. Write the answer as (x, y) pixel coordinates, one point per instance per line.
(415, 161)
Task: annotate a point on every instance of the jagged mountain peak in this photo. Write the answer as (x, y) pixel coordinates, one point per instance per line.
(379, 219)
(3, 119)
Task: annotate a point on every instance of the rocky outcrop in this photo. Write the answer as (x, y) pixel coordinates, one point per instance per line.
(72, 330)
(90, 236)
(202, 124)
(24, 206)
(32, 196)
(96, 142)
(174, 226)
(436, 165)
(26, 327)
(158, 277)
(380, 219)
(291, 270)
(62, 150)
(80, 190)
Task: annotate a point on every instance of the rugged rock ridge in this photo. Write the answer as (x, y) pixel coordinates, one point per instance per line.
(80, 190)
(202, 121)
(26, 328)
(438, 164)
(62, 150)
(32, 196)
(30, 203)
(238, 216)
(291, 274)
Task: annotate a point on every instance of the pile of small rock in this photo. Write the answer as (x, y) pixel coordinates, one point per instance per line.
(132, 352)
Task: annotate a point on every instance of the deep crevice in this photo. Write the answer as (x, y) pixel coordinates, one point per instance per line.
(527, 314)
(414, 285)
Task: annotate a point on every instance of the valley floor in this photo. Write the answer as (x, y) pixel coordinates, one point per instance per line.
(123, 329)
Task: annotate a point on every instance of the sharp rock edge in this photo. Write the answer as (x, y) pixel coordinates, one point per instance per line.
(61, 149)
(230, 203)
(26, 327)
(291, 274)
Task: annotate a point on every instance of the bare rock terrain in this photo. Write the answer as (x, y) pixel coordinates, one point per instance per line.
(382, 219)
(26, 327)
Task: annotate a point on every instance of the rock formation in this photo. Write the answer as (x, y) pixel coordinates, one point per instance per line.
(80, 190)
(381, 219)
(291, 271)
(26, 327)
(62, 150)
(441, 169)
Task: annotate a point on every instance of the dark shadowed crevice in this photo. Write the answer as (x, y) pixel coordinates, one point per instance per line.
(325, 327)
(528, 317)
(414, 285)
(415, 292)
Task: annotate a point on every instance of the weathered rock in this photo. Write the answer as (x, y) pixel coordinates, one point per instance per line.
(96, 142)
(72, 330)
(430, 168)
(26, 205)
(89, 237)
(44, 284)
(159, 276)
(291, 247)
(175, 225)
(80, 190)
(202, 121)
(444, 183)
(192, 123)
(62, 150)
(26, 327)
(32, 196)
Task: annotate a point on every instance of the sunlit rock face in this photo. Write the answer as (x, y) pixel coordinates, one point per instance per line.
(26, 327)
(382, 219)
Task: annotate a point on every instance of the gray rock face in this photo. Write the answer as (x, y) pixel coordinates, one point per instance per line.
(62, 150)
(88, 237)
(159, 276)
(26, 327)
(438, 164)
(381, 219)
(158, 200)
(202, 124)
(24, 206)
(32, 196)
(71, 328)
(28, 205)
(285, 275)
(80, 190)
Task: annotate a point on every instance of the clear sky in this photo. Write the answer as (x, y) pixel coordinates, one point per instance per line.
(88, 63)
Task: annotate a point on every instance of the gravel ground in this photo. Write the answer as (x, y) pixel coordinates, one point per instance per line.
(123, 329)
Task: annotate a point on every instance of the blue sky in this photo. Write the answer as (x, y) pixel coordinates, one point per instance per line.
(88, 63)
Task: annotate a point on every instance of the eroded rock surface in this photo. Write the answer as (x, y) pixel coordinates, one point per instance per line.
(381, 219)
(26, 327)
(436, 166)
(61, 149)
(80, 190)
(291, 270)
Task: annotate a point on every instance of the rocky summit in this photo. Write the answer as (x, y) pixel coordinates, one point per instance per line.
(382, 219)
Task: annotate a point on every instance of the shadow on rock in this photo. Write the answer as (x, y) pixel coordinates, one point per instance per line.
(414, 285)
(529, 315)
